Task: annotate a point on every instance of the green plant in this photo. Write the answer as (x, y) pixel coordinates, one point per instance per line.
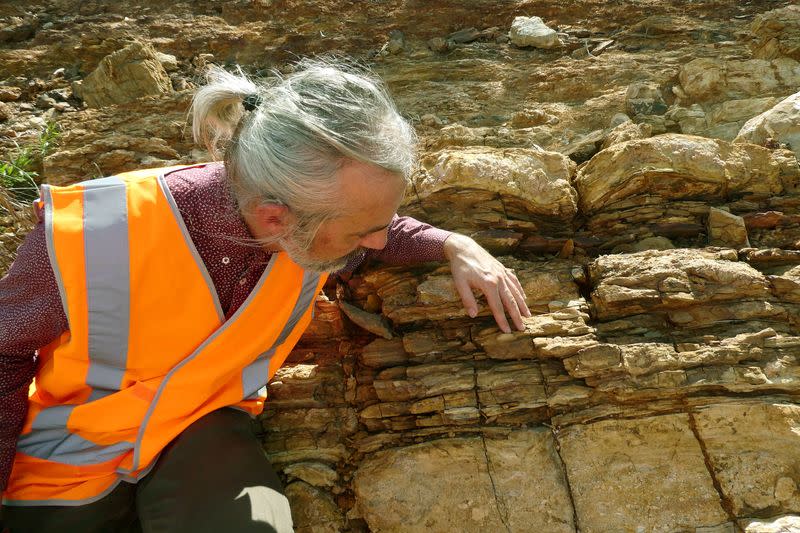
(19, 176)
(48, 138)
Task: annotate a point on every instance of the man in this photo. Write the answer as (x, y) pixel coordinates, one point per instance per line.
(161, 301)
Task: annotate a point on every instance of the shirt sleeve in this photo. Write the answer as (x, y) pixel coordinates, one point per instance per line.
(409, 241)
(31, 316)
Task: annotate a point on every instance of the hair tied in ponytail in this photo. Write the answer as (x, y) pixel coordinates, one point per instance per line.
(251, 101)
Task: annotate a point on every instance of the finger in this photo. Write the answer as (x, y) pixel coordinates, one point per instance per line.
(523, 301)
(496, 305)
(510, 303)
(467, 298)
(519, 297)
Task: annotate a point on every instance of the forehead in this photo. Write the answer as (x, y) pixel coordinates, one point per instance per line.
(369, 187)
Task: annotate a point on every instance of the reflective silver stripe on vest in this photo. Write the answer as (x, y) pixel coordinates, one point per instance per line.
(68, 503)
(47, 197)
(255, 375)
(106, 253)
(192, 248)
(105, 223)
(49, 439)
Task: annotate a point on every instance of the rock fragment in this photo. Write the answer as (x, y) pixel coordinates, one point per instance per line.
(168, 61)
(313, 510)
(532, 31)
(373, 323)
(5, 112)
(9, 94)
(644, 98)
(726, 229)
(439, 44)
(626, 131)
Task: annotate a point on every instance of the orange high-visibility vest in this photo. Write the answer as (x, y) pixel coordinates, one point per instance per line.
(148, 349)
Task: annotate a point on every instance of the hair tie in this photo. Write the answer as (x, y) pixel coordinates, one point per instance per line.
(251, 101)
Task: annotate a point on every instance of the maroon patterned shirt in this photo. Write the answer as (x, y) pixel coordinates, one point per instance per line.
(31, 314)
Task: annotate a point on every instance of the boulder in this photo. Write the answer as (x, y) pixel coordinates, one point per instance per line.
(679, 166)
(626, 131)
(780, 124)
(527, 182)
(124, 76)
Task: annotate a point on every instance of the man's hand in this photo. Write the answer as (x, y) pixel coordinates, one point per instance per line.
(475, 268)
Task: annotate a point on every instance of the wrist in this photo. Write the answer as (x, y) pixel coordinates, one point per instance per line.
(454, 243)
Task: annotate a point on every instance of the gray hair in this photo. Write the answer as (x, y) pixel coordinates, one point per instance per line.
(304, 127)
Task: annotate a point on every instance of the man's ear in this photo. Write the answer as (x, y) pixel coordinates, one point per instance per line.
(271, 220)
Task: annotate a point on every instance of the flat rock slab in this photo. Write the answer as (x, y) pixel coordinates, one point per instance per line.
(466, 484)
(670, 280)
(639, 475)
(754, 448)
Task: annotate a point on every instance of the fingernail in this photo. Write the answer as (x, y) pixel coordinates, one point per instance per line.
(472, 313)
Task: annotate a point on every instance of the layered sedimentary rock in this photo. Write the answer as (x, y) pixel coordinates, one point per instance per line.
(664, 186)
(615, 408)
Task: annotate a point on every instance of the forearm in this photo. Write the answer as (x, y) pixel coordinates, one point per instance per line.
(16, 374)
(31, 316)
(411, 241)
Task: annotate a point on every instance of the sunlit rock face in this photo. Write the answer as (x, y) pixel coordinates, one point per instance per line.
(640, 176)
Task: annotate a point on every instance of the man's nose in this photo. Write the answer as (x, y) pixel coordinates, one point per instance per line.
(376, 241)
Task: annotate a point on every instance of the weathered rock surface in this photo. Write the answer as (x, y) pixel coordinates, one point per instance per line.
(639, 453)
(504, 482)
(526, 185)
(777, 33)
(655, 387)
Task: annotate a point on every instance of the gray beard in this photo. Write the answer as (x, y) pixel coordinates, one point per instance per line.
(299, 254)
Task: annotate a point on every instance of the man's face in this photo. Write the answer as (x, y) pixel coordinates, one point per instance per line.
(371, 196)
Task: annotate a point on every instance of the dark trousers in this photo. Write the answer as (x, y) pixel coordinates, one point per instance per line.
(213, 477)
